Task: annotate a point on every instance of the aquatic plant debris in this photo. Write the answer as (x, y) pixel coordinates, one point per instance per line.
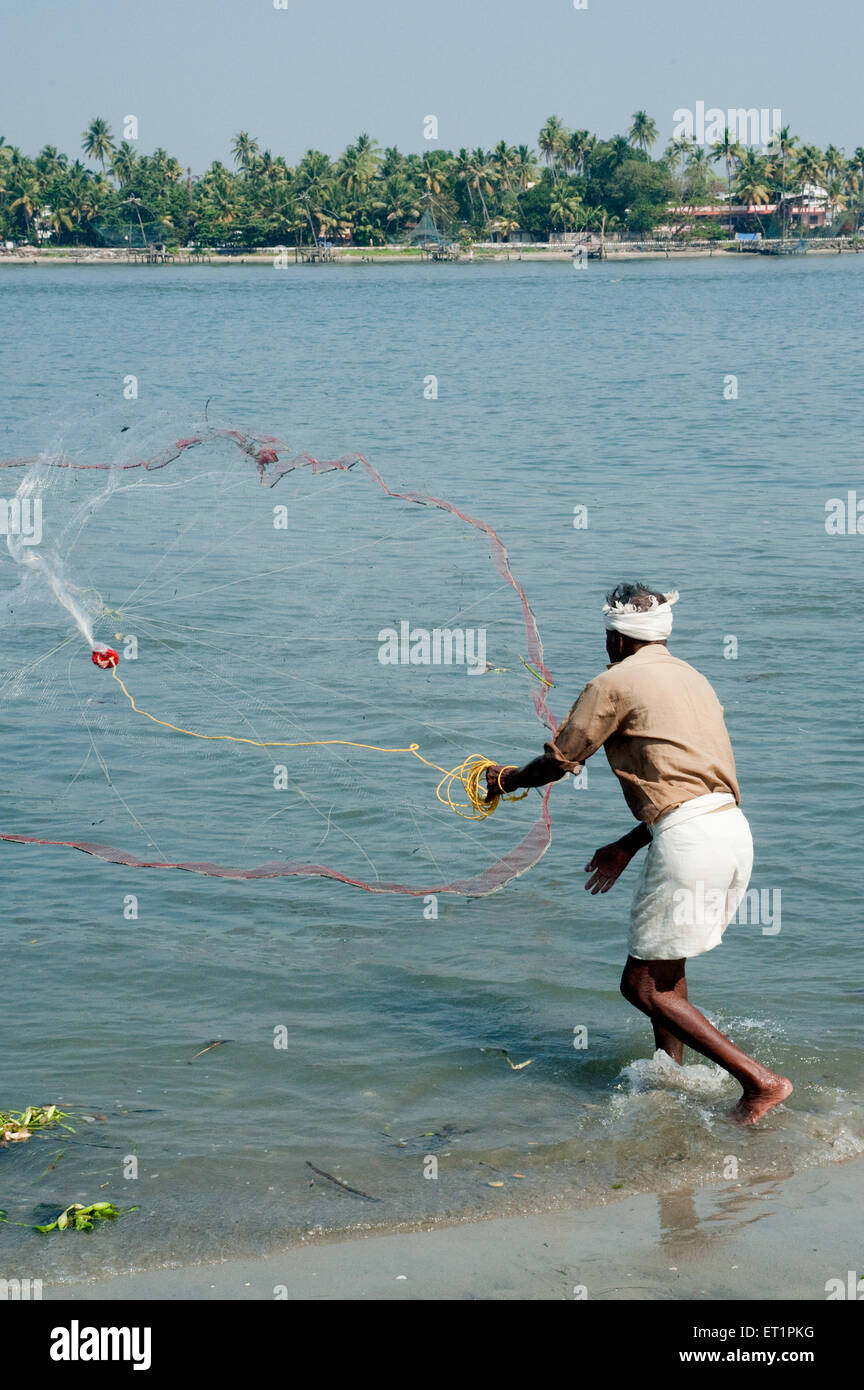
(529, 667)
(80, 1218)
(514, 1066)
(437, 1138)
(208, 1047)
(355, 1191)
(17, 1126)
(76, 1217)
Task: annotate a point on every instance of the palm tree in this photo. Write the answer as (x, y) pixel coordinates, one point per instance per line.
(49, 161)
(601, 220)
(643, 132)
(679, 150)
(392, 163)
(551, 140)
(398, 201)
(697, 175)
(97, 142)
(314, 171)
(855, 175)
(360, 164)
(753, 180)
(781, 148)
(462, 174)
(506, 224)
(4, 175)
(123, 164)
(729, 150)
(809, 169)
(313, 183)
(436, 172)
(60, 219)
(244, 148)
(835, 168)
(580, 146)
(834, 162)
(503, 157)
(27, 201)
(810, 164)
(837, 197)
(482, 178)
(618, 149)
(565, 206)
(525, 166)
(336, 219)
(76, 207)
(166, 171)
(133, 202)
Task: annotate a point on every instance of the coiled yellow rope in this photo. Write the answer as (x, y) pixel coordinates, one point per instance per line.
(468, 774)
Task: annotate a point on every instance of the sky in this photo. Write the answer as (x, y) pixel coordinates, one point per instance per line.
(318, 72)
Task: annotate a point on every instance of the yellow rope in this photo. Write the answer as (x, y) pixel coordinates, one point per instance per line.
(468, 774)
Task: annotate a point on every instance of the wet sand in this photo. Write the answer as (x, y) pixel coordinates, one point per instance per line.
(782, 1238)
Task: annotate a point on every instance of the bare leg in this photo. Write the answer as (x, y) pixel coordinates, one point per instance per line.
(651, 986)
(663, 1039)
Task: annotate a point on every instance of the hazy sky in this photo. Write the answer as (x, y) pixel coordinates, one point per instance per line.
(317, 73)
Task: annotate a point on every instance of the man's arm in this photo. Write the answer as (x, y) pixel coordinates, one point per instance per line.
(592, 720)
(609, 862)
(589, 723)
(534, 774)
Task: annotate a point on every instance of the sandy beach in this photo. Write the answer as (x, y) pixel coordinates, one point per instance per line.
(763, 1240)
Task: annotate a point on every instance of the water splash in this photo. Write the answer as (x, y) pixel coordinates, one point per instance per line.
(36, 562)
(659, 1072)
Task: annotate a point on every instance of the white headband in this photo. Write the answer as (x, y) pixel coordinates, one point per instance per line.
(645, 624)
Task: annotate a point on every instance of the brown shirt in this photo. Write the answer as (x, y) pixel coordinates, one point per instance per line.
(662, 727)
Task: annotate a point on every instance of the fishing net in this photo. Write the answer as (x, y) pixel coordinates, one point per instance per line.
(258, 597)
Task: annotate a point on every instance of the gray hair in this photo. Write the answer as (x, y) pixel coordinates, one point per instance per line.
(639, 595)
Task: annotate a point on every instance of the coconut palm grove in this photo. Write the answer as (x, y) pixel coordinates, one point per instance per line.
(110, 194)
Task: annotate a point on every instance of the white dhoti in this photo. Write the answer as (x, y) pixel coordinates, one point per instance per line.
(695, 873)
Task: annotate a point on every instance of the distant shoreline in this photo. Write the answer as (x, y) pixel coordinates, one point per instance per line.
(357, 259)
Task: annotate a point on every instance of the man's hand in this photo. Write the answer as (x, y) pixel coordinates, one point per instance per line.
(534, 774)
(607, 865)
(493, 785)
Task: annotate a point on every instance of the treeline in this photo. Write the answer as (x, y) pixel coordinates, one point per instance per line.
(573, 180)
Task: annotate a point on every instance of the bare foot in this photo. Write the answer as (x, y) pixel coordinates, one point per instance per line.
(758, 1100)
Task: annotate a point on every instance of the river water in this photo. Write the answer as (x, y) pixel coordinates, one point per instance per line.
(704, 415)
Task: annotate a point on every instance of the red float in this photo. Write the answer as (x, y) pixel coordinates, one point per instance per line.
(105, 658)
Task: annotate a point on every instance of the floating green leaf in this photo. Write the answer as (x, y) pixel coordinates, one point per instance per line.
(16, 1126)
(81, 1218)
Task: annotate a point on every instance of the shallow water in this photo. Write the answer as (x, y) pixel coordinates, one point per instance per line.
(556, 388)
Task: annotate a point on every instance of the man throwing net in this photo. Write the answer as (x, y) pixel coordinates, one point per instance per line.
(666, 741)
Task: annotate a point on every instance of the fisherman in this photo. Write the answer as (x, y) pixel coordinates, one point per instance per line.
(666, 741)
